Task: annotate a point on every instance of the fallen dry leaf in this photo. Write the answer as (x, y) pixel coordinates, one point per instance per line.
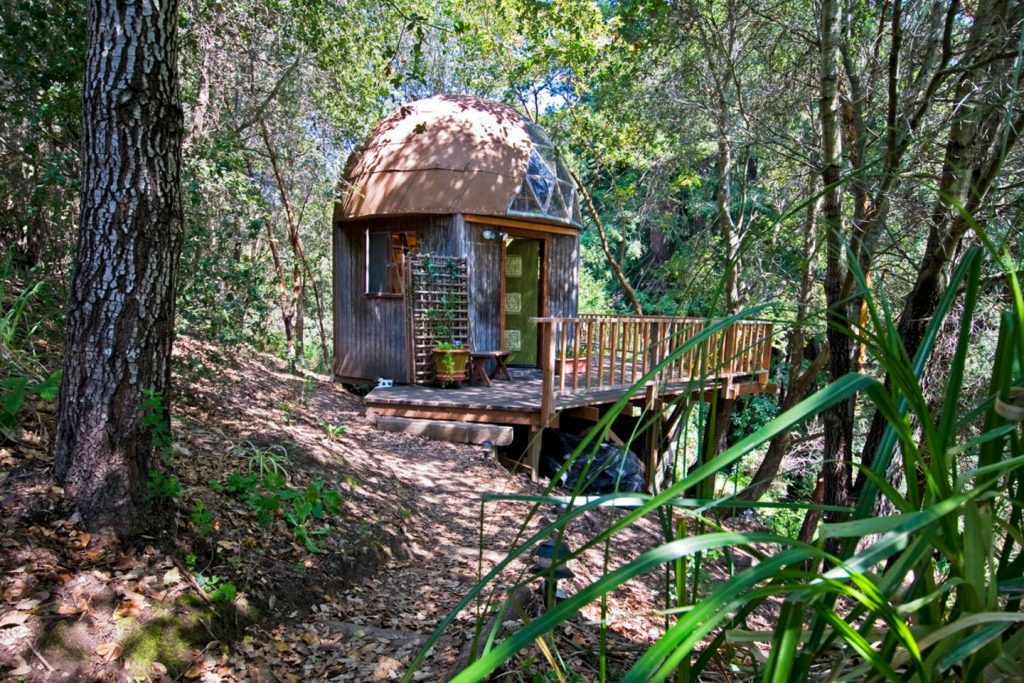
(109, 651)
(13, 619)
(22, 669)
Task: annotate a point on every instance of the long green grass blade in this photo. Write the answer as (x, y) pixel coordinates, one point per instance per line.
(608, 582)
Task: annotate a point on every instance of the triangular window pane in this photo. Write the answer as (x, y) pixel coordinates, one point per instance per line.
(547, 189)
(542, 187)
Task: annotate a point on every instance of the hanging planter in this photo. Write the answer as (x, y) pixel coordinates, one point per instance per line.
(450, 361)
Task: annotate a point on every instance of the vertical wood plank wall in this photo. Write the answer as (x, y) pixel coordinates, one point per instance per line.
(564, 276)
(370, 334)
(484, 260)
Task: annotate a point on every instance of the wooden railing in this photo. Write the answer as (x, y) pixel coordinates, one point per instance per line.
(607, 352)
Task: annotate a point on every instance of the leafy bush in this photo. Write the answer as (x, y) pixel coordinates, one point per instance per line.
(931, 592)
(23, 377)
(265, 488)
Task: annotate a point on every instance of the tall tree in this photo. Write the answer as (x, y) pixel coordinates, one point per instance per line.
(121, 306)
(838, 455)
(984, 128)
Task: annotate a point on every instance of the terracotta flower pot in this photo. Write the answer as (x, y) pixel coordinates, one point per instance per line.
(573, 366)
(452, 372)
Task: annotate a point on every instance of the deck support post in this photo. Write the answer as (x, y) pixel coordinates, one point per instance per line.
(654, 436)
(533, 452)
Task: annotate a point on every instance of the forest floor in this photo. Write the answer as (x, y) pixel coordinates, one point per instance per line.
(218, 596)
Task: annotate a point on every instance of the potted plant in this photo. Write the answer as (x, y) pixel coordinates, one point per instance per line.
(450, 361)
(574, 361)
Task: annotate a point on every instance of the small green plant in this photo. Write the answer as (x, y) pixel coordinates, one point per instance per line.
(162, 486)
(219, 591)
(315, 503)
(224, 593)
(235, 484)
(266, 463)
(154, 418)
(448, 359)
(202, 518)
(333, 431)
(16, 391)
(265, 488)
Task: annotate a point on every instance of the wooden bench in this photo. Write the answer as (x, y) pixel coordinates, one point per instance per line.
(478, 375)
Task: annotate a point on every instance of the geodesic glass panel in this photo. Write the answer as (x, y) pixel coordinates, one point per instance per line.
(547, 190)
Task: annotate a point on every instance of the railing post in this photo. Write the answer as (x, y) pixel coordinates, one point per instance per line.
(766, 354)
(547, 364)
(729, 353)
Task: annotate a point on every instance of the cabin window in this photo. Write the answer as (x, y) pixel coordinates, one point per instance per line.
(386, 253)
(548, 190)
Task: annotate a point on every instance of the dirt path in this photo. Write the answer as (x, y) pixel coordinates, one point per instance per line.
(399, 556)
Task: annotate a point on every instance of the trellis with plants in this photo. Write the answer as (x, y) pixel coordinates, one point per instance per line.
(438, 315)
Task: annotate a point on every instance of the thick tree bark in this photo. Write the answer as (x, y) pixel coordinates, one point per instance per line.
(838, 455)
(121, 306)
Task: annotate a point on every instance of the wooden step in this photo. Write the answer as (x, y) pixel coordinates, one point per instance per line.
(447, 430)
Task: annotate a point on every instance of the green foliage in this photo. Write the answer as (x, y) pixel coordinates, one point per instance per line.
(162, 486)
(225, 294)
(949, 556)
(266, 490)
(235, 484)
(40, 127)
(202, 518)
(17, 391)
(219, 591)
(156, 420)
(751, 413)
(23, 377)
(333, 431)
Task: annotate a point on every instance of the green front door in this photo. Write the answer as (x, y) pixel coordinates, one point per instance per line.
(522, 299)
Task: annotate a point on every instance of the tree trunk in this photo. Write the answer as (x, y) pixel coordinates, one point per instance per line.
(121, 306)
(981, 135)
(837, 457)
(301, 269)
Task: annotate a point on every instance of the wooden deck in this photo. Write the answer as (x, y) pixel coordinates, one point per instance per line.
(519, 402)
(655, 359)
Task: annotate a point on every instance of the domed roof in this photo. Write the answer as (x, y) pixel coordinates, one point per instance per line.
(458, 154)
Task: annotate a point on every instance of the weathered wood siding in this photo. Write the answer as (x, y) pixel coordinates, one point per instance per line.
(484, 258)
(370, 332)
(442, 235)
(564, 276)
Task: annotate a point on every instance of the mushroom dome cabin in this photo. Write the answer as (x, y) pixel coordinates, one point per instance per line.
(464, 182)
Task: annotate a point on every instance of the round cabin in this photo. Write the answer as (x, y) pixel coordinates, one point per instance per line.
(456, 222)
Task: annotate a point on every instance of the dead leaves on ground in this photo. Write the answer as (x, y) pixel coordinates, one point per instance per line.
(358, 612)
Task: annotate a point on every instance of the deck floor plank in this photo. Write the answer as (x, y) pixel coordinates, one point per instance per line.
(507, 399)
